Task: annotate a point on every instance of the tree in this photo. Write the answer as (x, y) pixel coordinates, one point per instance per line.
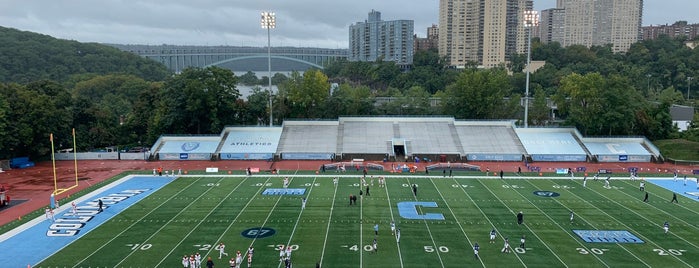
(307, 93)
(197, 101)
(480, 94)
(597, 105)
(539, 114)
(249, 79)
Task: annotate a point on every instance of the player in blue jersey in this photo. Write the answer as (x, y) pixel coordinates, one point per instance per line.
(476, 247)
(492, 236)
(666, 227)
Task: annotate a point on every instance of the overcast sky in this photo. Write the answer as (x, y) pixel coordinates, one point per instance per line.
(310, 23)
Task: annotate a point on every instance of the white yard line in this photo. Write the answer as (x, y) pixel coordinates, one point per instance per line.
(534, 233)
(361, 226)
(390, 207)
(201, 221)
(298, 219)
(428, 230)
(268, 215)
(638, 233)
(134, 223)
(327, 229)
(486, 217)
(166, 224)
(236, 217)
(581, 217)
(456, 219)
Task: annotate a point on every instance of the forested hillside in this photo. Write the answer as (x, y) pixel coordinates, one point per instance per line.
(27, 56)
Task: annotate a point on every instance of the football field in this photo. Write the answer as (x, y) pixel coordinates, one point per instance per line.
(611, 226)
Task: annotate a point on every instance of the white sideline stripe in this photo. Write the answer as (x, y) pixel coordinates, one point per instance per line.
(677, 204)
(327, 230)
(167, 223)
(60, 209)
(639, 234)
(537, 236)
(588, 222)
(390, 207)
(428, 230)
(200, 222)
(134, 223)
(486, 218)
(456, 219)
(361, 226)
(298, 219)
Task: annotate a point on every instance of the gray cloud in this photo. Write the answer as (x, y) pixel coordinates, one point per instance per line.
(316, 23)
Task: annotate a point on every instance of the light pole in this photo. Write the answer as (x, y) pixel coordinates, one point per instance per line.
(531, 19)
(268, 21)
(689, 85)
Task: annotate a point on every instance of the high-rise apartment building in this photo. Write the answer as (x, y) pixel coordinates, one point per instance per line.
(429, 42)
(482, 32)
(375, 39)
(680, 28)
(593, 22)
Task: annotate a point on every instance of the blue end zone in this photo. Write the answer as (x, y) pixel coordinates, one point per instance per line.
(600, 236)
(690, 190)
(284, 191)
(45, 237)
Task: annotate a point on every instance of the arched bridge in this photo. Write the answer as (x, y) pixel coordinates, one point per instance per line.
(239, 59)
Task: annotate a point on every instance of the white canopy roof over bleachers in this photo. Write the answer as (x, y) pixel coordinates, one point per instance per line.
(475, 140)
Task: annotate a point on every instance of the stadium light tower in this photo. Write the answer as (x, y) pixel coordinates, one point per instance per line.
(268, 21)
(531, 20)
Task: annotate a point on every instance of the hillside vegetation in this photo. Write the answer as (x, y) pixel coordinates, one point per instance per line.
(27, 57)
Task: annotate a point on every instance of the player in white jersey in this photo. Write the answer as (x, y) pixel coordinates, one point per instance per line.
(232, 263)
(238, 259)
(398, 235)
(281, 253)
(303, 203)
(197, 260)
(73, 208)
(286, 182)
(506, 247)
(335, 180)
(192, 262)
(185, 261)
(288, 251)
(393, 228)
(47, 213)
(221, 250)
(250, 253)
(585, 181)
(572, 216)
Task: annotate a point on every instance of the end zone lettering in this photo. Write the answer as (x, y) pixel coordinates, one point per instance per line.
(69, 224)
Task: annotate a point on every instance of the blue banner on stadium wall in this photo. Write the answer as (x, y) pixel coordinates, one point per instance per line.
(246, 156)
(623, 158)
(307, 156)
(494, 157)
(559, 157)
(183, 156)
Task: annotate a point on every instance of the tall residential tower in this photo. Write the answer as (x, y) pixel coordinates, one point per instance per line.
(375, 39)
(481, 32)
(594, 23)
